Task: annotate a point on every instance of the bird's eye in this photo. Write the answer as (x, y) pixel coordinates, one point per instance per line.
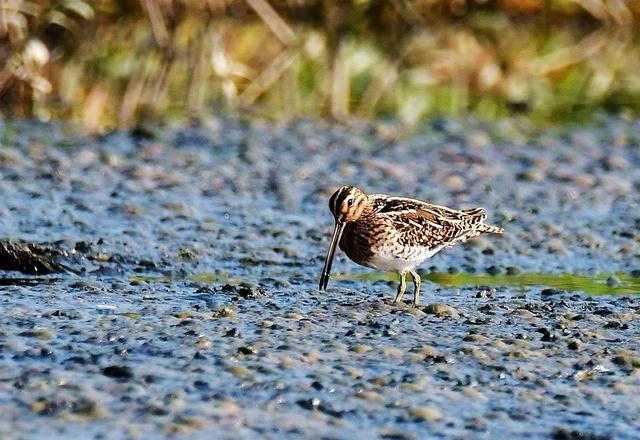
(349, 202)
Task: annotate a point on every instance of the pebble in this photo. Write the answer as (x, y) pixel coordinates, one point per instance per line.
(38, 333)
(425, 413)
(613, 281)
(442, 310)
(118, 372)
(360, 348)
(369, 395)
(574, 344)
(627, 361)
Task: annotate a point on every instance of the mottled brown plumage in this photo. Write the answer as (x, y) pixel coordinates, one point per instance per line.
(396, 234)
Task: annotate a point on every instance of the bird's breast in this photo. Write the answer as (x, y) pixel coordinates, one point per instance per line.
(356, 242)
(378, 247)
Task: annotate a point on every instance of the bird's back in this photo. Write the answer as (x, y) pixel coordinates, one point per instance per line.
(419, 223)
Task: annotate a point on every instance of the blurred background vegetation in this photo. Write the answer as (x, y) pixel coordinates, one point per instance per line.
(119, 63)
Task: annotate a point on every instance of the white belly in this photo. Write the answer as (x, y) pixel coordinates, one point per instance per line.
(387, 259)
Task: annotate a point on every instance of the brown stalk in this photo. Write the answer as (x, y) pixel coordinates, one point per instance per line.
(267, 77)
(340, 86)
(272, 19)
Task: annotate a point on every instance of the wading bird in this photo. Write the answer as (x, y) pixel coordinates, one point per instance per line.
(396, 234)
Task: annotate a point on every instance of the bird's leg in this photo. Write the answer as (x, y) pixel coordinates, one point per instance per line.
(401, 288)
(416, 285)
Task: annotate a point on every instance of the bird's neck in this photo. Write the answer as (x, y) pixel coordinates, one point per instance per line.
(367, 212)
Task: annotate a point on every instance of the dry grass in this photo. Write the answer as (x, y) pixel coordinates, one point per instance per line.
(111, 63)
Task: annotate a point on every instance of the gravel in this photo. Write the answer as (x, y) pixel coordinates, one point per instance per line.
(192, 306)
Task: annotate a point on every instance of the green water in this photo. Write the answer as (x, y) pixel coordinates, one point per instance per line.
(594, 285)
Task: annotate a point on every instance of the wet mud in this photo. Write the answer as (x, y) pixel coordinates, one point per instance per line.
(190, 305)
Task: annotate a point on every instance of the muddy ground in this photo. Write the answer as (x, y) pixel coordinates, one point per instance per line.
(190, 305)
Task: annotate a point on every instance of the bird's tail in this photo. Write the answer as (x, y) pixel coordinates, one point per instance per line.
(476, 218)
(490, 229)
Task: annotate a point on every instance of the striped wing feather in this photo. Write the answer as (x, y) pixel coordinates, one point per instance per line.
(423, 224)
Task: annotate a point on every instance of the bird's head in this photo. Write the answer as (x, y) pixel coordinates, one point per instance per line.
(348, 203)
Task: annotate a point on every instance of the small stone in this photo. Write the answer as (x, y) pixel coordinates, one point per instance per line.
(574, 344)
(494, 270)
(392, 352)
(613, 281)
(556, 246)
(627, 361)
(238, 370)
(427, 351)
(187, 254)
(500, 345)
(294, 315)
(354, 373)
(524, 313)
(530, 176)
(203, 343)
(394, 434)
(415, 311)
(614, 162)
(229, 406)
(247, 349)
(476, 424)
(118, 372)
(225, 312)
(511, 270)
(38, 333)
(473, 393)
(584, 180)
(425, 413)
(370, 395)
(360, 348)
(454, 182)
(309, 404)
(480, 339)
(567, 434)
(547, 335)
(551, 291)
(442, 310)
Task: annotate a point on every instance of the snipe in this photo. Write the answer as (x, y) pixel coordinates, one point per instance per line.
(396, 234)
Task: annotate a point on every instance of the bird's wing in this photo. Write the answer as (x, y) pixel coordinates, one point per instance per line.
(425, 224)
(394, 206)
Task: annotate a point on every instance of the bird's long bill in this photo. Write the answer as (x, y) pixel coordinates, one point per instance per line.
(335, 239)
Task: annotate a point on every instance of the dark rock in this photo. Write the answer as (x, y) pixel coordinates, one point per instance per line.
(551, 292)
(574, 344)
(30, 258)
(613, 281)
(247, 349)
(627, 361)
(511, 270)
(494, 270)
(118, 372)
(547, 335)
(568, 434)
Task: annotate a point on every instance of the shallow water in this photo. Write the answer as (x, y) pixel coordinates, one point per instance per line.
(194, 309)
(602, 284)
